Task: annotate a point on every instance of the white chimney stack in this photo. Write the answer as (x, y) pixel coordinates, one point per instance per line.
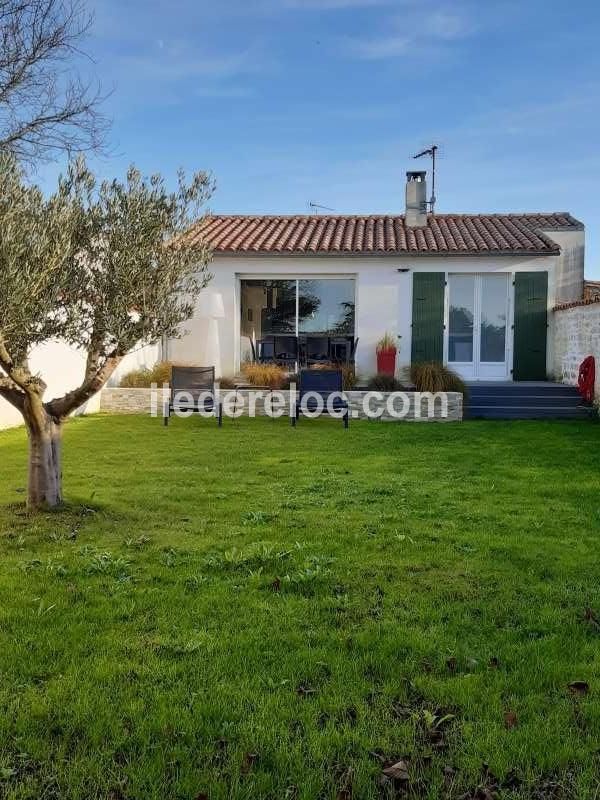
(416, 200)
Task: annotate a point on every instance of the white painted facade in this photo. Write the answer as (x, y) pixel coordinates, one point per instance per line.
(383, 295)
(383, 304)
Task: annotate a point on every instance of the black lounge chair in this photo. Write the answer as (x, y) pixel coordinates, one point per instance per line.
(317, 350)
(266, 351)
(286, 350)
(323, 382)
(198, 384)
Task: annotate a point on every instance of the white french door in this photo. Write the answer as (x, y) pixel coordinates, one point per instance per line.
(477, 340)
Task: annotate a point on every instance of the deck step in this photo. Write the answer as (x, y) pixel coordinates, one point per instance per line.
(527, 413)
(525, 400)
(528, 400)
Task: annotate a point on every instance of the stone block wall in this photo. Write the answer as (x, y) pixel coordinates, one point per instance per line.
(576, 335)
(139, 401)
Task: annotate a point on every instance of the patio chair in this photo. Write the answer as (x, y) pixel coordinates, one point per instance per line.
(198, 383)
(316, 350)
(286, 350)
(266, 350)
(343, 350)
(323, 382)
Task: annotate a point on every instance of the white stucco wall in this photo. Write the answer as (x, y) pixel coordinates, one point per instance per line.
(570, 265)
(62, 368)
(383, 297)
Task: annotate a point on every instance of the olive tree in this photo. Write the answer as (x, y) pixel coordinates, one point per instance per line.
(100, 266)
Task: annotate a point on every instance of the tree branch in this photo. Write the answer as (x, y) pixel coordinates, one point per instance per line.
(19, 374)
(93, 381)
(45, 105)
(12, 394)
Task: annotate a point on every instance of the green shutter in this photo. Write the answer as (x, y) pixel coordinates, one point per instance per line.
(531, 323)
(428, 316)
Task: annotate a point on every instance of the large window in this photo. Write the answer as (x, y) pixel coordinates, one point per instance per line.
(322, 306)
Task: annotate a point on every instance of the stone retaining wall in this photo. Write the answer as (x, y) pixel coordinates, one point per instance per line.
(139, 401)
(576, 335)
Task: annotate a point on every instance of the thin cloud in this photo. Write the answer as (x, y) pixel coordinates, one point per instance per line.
(174, 62)
(326, 5)
(412, 34)
(380, 47)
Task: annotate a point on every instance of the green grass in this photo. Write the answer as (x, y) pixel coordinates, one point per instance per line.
(257, 612)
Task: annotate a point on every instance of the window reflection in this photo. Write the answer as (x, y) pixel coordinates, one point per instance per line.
(493, 318)
(462, 307)
(315, 306)
(326, 307)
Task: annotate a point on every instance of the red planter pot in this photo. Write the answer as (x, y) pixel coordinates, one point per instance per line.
(386, 361)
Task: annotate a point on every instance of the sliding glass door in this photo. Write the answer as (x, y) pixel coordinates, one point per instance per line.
(477, 332)
(301, 306)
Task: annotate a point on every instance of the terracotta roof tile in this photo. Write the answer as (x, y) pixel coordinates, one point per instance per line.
(474, 234)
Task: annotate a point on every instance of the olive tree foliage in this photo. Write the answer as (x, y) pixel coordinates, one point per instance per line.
(101, 266)
(46, 105)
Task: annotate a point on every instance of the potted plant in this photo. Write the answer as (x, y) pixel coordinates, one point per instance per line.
(386, 354)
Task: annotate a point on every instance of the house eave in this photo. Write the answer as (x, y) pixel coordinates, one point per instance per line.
(384, 254)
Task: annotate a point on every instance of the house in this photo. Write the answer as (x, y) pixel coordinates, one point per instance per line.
(474, 291)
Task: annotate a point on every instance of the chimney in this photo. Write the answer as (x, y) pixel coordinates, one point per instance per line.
(416, 200)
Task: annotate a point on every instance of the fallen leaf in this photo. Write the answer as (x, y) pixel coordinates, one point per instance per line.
(579, 687)
(510, 719)
(305, 691)
(345, 790)
(402, 712)
(397, 772)
(590, 616)
(249, 761)
(483, 793)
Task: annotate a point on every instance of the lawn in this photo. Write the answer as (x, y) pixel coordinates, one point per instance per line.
(256, 612)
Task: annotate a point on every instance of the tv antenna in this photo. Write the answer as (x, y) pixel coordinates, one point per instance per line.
(431, 151)
(319, 208)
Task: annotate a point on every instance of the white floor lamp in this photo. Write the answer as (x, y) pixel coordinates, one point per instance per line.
(211, 309)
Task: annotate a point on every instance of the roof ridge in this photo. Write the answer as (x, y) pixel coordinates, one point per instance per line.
(445, 214)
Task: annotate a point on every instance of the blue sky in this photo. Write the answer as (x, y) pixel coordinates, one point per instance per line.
(293, 101)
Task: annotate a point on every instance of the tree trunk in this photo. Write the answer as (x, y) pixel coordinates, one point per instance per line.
(45, 469)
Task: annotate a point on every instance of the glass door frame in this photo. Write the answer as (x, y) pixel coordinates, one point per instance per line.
(283, 276)
(477, 370)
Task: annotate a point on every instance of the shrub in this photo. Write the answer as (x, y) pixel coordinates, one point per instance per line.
(160, 373)
(387, 342)
(431, 376)
(382, 382)
(144, 378)
(271, 375)
(226, 383)
(348, 373)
